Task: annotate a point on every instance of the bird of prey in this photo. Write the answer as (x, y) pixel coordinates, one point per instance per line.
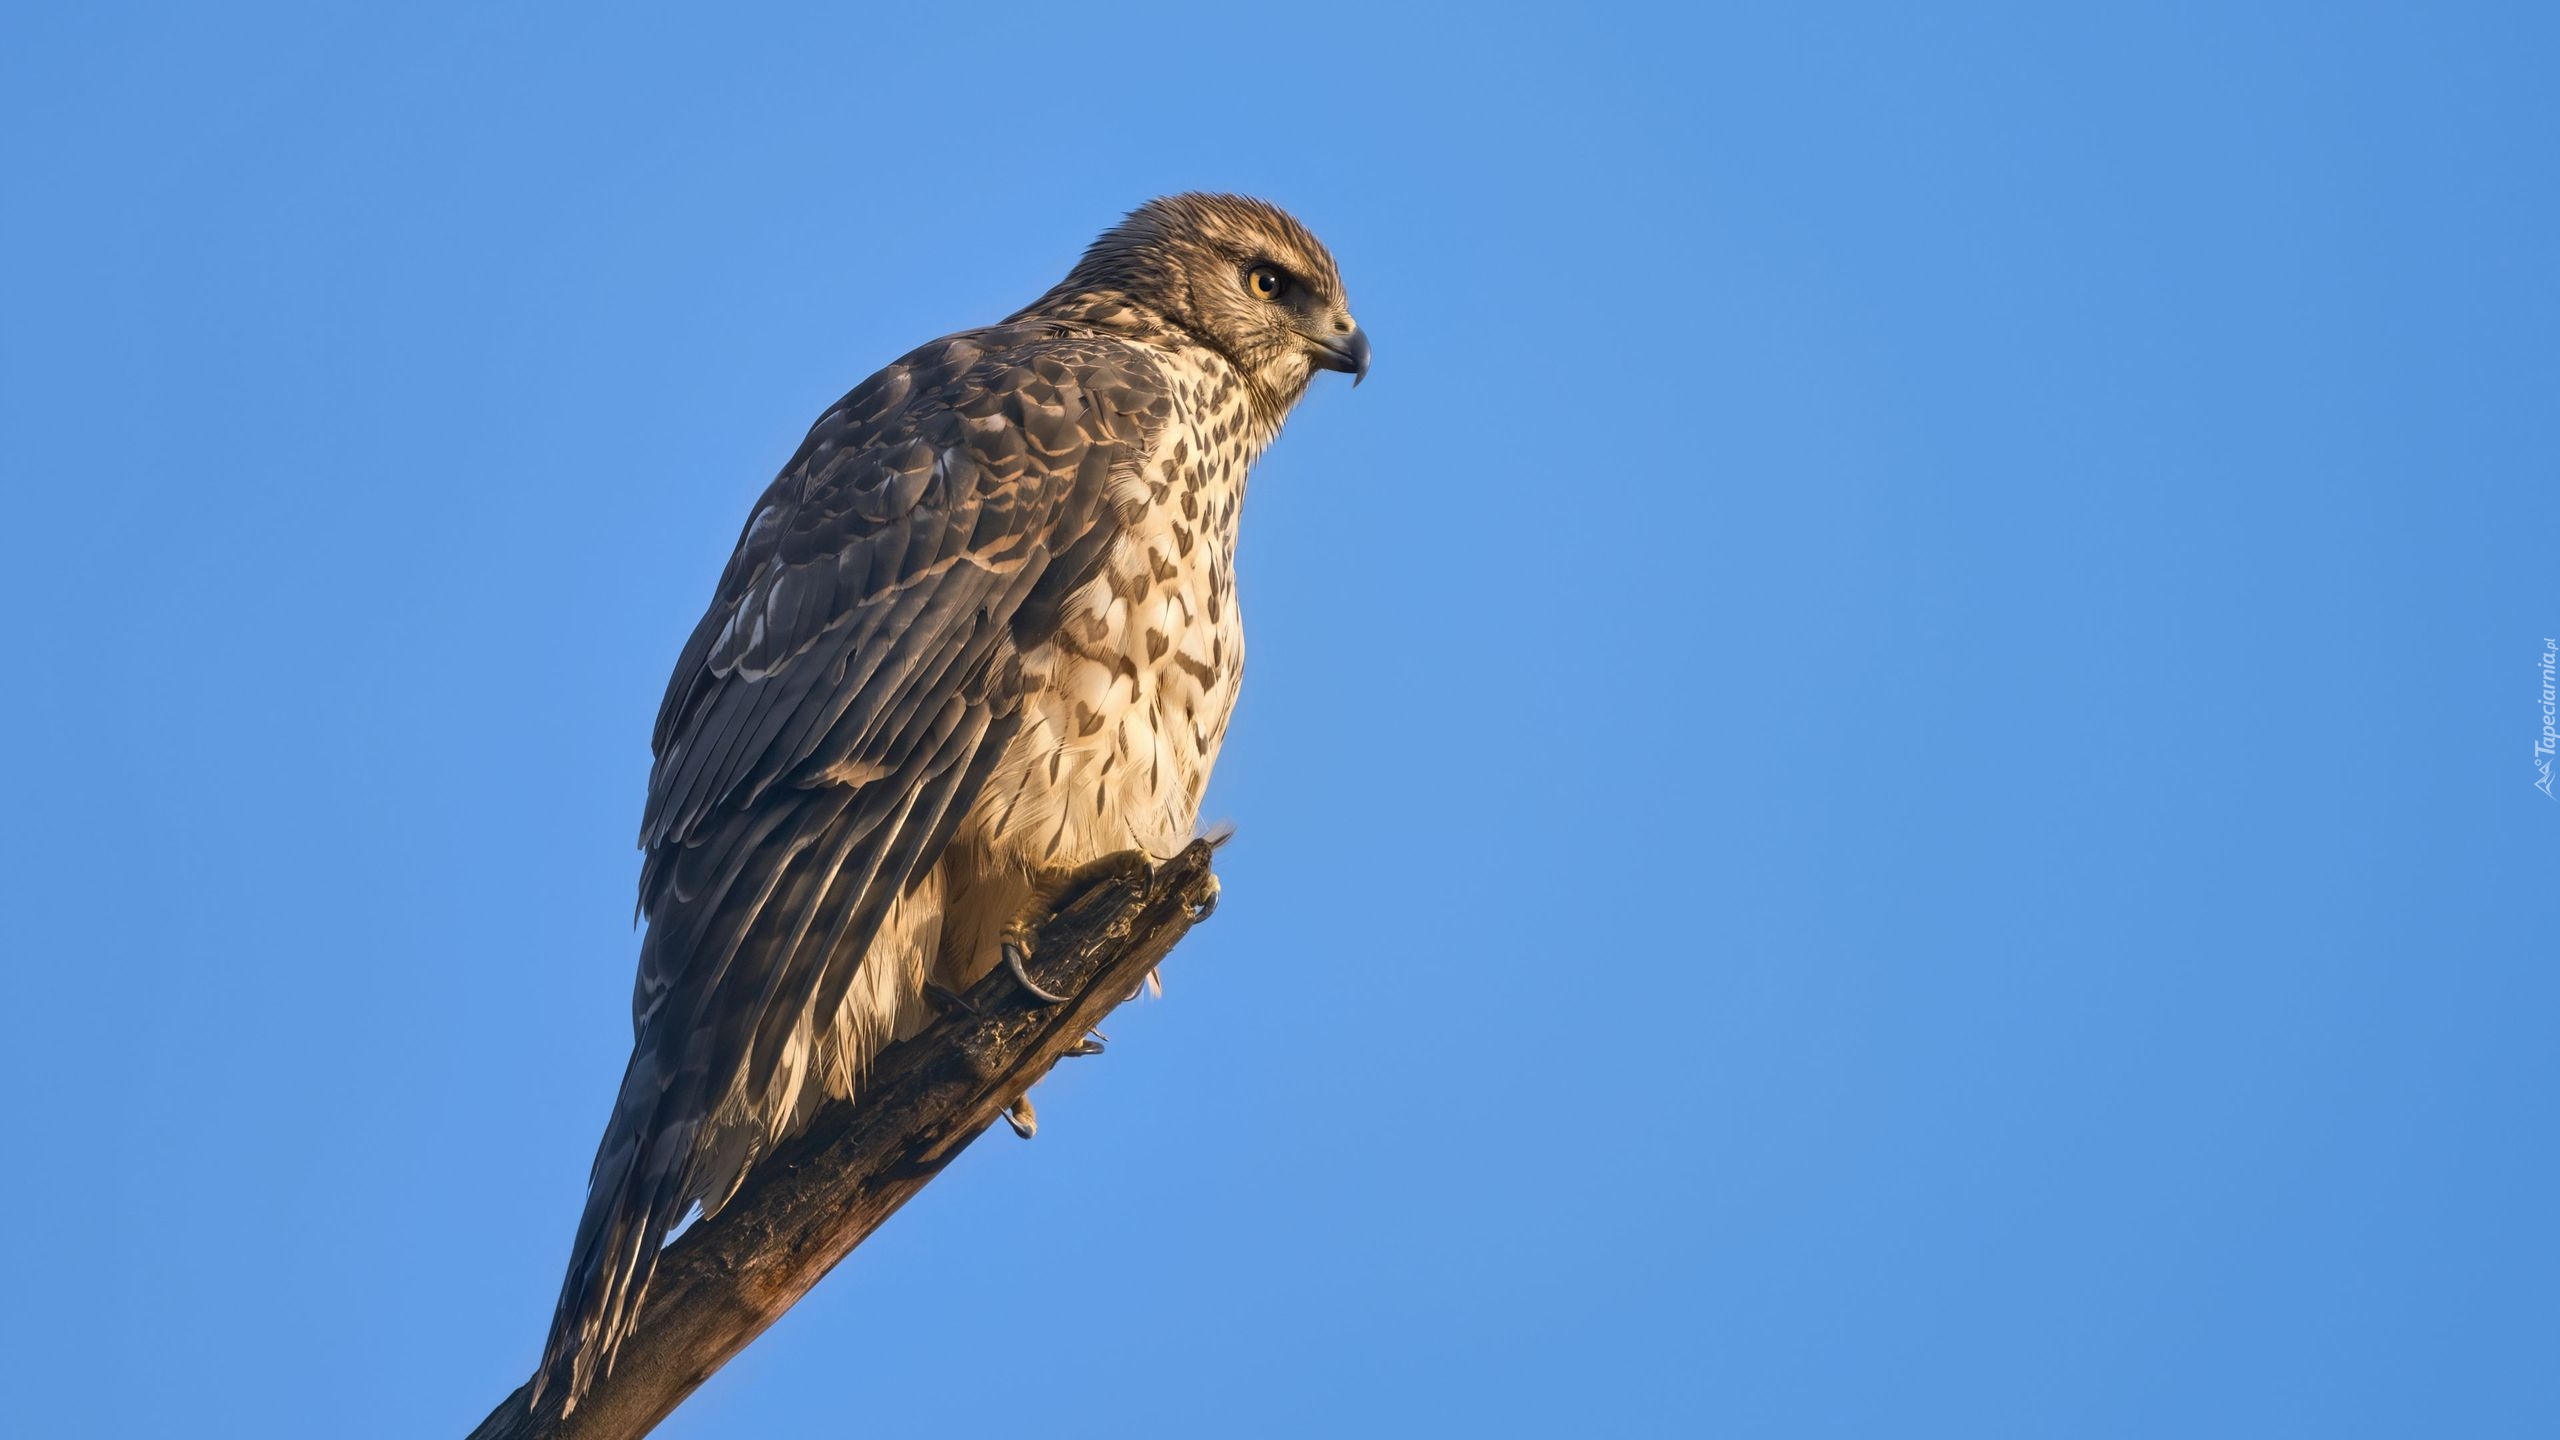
(978, 635)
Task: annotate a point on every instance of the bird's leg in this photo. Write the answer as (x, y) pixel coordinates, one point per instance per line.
(1065, 890)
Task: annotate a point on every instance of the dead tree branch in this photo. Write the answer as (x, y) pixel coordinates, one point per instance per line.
(808, 1204)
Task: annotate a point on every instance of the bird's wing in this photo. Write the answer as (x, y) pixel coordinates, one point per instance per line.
(829, 722)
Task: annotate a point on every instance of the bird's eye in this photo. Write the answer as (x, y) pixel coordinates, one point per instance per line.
(1266, 282)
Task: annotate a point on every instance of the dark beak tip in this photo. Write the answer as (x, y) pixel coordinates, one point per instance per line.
(1350, 355)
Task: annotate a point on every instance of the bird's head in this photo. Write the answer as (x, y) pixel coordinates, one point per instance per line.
(1242, 276)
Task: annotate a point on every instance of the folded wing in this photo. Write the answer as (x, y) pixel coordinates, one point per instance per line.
(829, 722)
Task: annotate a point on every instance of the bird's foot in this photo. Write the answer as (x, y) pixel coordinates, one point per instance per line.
(1014, 955)
(1024, 1120)
(1207, 904)
(945, 999)
(1090, 1045)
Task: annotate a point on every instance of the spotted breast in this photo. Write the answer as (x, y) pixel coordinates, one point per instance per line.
(1129, 700)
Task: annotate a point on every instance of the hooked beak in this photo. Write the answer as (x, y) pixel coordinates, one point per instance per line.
(1346, 353)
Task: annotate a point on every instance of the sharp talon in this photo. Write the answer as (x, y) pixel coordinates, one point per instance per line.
(1208, 903)
(1024, 1120)
(946, 999)
(1090, 1045)
(1013, 958)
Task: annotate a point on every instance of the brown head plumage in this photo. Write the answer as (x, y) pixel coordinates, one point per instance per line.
(1235, 273)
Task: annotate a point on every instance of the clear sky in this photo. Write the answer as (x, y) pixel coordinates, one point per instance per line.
(1886, 787)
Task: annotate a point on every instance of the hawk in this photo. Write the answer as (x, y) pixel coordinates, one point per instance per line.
(979, 634)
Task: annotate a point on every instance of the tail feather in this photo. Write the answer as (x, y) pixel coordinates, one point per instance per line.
(738, 964)
(640, 1187)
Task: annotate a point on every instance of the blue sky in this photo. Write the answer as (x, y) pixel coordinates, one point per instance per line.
(1885, 786)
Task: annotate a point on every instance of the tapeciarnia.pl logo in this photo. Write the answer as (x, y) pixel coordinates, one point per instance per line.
(2543, 748)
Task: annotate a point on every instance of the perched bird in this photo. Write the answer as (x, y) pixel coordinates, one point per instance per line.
(979, 634)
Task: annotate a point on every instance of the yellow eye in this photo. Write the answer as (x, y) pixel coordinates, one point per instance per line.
(1266, 282)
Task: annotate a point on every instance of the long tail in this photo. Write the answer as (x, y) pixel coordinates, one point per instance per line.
(639, 1189)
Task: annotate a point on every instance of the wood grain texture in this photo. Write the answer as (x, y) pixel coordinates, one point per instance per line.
(806, 1206)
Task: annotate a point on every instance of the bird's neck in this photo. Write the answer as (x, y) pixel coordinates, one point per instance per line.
(1114, 312)
(1111, 311)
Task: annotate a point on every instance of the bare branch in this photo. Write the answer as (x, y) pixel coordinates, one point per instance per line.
(807, 1205)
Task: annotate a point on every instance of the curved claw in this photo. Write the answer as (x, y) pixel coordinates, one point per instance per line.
(1208, 904)
(1013, 958)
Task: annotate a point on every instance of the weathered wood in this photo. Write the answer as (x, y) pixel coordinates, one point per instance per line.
(806, 1206)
